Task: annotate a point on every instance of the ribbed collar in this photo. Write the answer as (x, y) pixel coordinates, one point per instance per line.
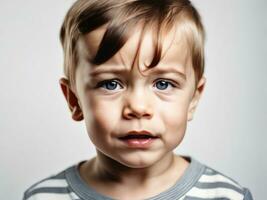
(179, 189)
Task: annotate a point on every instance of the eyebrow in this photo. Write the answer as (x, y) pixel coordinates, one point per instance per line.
(124, 71)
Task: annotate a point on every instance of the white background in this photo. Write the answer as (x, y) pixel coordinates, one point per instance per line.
(38, 137)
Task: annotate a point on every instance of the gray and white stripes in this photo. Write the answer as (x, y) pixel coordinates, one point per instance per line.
(199, 182)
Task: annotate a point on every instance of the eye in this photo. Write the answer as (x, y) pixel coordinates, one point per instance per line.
(108, 84)
(163, 84)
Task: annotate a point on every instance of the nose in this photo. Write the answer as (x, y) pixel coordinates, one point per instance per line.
(137, 105)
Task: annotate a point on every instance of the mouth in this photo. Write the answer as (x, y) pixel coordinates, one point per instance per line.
(138, 135)
(138, 139)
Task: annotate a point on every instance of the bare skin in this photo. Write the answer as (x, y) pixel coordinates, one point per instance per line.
(112, 179)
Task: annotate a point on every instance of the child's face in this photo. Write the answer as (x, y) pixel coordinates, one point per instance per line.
(160, 103)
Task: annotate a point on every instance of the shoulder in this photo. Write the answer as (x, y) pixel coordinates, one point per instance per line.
(213, 184)
(51, 188)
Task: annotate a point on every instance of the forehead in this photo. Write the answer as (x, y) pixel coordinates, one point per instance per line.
(139, 49)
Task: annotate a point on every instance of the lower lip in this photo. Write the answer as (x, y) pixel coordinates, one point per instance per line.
(139, 143)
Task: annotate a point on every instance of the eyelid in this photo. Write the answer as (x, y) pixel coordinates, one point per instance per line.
(108, 80)
(173, 83)
(101, 85)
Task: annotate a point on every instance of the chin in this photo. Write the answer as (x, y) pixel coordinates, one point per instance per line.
(136, 165)
(138, 160)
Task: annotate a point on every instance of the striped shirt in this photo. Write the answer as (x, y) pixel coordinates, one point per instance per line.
(198, 182)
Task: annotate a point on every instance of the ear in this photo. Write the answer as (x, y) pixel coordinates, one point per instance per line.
(72, 100)
(195, 98)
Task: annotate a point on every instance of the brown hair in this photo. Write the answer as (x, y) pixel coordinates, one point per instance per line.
(121, 16)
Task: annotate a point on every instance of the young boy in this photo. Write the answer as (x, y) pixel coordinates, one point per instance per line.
(134, 73)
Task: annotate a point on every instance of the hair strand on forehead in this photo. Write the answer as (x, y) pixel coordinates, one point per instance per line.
(121, 18)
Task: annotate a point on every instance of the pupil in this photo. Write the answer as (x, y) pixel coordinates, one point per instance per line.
(162, 85)
(112, 84)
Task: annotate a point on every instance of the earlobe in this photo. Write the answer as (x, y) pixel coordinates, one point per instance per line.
(77, 114)
(196, 98)
(71, 99)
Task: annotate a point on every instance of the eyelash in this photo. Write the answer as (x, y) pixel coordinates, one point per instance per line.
(102, 83)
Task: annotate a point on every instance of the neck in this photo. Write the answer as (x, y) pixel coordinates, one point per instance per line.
(106, 170)
(114, 179)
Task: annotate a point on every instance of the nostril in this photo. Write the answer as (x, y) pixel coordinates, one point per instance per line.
(137, 113)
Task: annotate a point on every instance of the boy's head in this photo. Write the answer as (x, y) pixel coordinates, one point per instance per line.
(133, 65)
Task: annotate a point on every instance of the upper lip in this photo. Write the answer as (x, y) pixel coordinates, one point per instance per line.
(134, 132)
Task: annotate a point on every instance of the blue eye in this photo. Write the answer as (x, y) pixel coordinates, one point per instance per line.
(108, 84)
(112, 84)
(162, 85)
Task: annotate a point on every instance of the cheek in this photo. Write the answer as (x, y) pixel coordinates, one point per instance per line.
(175, 113)
(100, 118)
(175, 120)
